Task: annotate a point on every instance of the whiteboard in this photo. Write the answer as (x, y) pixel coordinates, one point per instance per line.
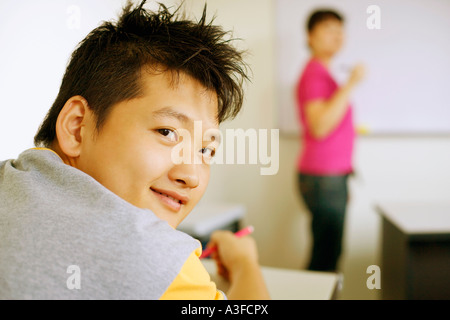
(407, 86)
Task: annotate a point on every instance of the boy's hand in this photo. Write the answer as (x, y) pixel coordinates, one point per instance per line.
(237, 261)
(233, 253)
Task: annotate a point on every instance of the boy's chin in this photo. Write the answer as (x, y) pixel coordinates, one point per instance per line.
(172, 218)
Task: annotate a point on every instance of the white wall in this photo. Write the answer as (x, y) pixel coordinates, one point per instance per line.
(390, 168)
(37, 38)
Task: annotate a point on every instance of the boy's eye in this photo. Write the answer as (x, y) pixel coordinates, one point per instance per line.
(208, 152)
(169, 134)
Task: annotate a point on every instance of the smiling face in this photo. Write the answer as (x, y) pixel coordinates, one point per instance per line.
(132, 153)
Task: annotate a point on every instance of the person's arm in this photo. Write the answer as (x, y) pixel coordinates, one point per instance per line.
(237, 260)
(323, 116)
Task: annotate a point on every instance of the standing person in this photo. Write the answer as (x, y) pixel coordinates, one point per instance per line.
(328, 137)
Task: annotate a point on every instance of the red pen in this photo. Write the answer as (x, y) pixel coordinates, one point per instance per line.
(240, 233)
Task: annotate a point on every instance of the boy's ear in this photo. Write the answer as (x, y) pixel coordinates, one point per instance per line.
(70, 125)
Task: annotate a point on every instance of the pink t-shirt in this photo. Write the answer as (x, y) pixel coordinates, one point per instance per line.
(331, 155)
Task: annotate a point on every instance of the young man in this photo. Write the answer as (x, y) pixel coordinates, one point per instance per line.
(92, 213)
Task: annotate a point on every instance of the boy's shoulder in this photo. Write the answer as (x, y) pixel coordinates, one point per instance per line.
(55, 216)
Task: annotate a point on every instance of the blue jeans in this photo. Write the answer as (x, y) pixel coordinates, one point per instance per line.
(326, 198)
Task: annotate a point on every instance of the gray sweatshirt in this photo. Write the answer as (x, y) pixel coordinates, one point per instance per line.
(65, 236)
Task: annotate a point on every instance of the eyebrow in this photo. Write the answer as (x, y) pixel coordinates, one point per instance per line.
(171, 113)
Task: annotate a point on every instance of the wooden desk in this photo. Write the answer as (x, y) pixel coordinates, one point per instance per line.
(287, 284)
(415, 250)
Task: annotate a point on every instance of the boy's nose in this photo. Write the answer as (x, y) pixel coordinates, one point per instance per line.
(185, 174)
